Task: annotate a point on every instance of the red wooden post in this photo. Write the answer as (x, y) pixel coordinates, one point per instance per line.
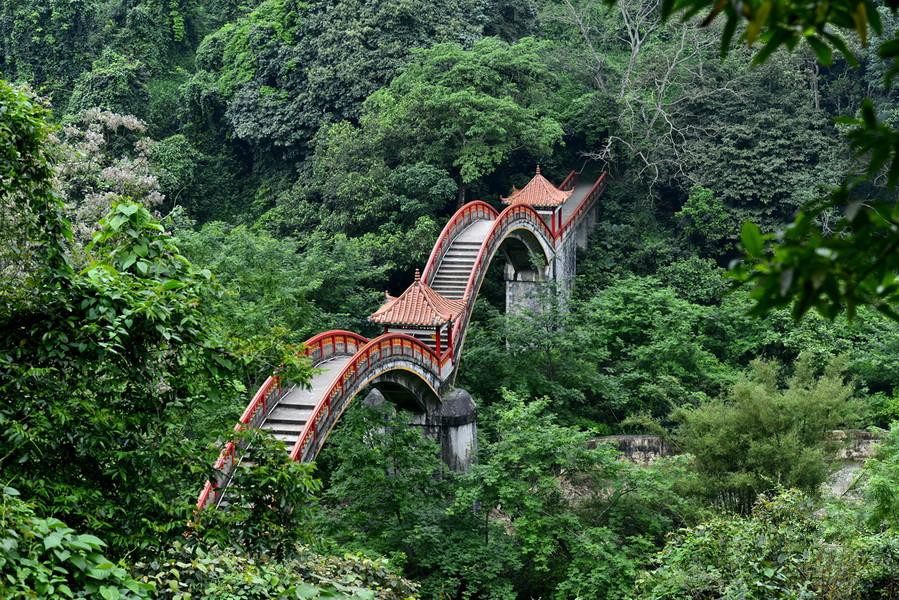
(449, 337)
(437, 329)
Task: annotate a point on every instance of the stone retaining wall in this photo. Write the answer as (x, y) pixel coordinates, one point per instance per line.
(855, 445)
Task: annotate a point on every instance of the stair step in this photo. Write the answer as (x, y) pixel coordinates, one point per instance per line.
(450, 285)
(284, 427)
(296, 404)
(289, 413)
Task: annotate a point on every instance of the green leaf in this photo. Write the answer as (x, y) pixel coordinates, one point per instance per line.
(92, 540)
(129, 208)
(129, 260)
(53, 540)
(752, 239)
(822, 50)
(116, 222)
(306, 591)
(109, 593)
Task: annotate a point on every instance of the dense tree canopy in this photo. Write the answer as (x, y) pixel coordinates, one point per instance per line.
(189, 190)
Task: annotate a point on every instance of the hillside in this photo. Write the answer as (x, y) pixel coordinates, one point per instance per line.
(683, 231)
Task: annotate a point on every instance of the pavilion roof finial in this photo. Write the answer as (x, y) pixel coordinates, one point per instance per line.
(417, 275)
(538, 168)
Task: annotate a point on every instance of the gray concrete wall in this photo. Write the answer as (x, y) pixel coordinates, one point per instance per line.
(640, 449)
(453, 424)
(565, 263)
(522, 295)
(855, 446)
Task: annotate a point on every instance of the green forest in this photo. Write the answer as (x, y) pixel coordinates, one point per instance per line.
(190, 190)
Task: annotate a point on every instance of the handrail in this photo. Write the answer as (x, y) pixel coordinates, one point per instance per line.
(568, 179)
(316, 340)
(260, 403)
(259, 400)
(461, 219)
(350, 371)
(315, 346)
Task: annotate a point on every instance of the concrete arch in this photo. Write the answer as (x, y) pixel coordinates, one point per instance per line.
(406, 390)
(396, 364)
(519, 228)
(522, 249)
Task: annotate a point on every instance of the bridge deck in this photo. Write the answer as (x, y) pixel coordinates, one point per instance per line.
(476, 232)
(289, 416)
(582, 187)
(457, 266)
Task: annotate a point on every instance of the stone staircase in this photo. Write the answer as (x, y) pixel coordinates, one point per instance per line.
(286, 420)
(455, 268)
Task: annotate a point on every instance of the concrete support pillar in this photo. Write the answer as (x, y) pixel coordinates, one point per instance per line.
(457, 429)
(453, 424)
(565, 264)
(522, 289)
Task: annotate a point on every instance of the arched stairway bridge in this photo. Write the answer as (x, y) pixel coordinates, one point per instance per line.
(410, 367)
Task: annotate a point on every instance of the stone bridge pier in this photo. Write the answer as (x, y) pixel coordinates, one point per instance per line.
(525, 283)
(452, 423)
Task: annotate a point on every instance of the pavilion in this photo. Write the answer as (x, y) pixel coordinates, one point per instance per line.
(422, 313)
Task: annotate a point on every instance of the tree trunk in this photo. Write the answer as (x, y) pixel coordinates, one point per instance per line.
(460, 197)
(816, 95)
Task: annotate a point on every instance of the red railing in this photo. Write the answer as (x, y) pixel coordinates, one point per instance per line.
(252, 416)
(567, 181)
(319, 348)
(316, 346)
(465, 216)
(354, 375)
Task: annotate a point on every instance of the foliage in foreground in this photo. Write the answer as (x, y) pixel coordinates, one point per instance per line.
(542, 514)
(102, 369)
(43, 558)
(193, 571)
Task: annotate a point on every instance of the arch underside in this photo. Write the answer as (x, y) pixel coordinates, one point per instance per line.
(524, 253)
(406, 383)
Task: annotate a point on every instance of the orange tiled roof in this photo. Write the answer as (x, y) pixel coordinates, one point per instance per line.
(418, 305)
(538, 192)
